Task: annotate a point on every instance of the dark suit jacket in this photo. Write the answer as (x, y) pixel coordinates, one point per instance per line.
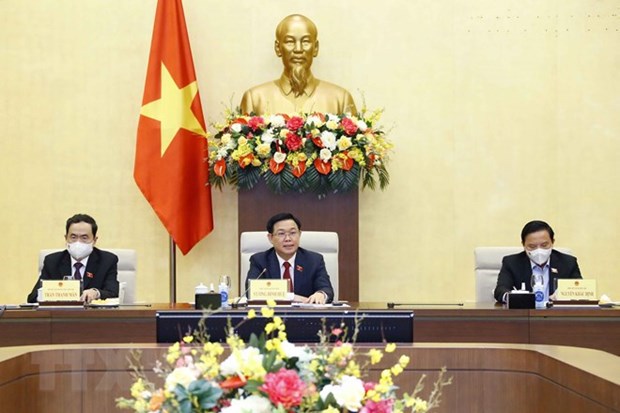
(101, 272)
(310, 272)
(516, 269)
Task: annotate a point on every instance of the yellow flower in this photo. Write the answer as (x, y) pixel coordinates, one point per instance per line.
(390, 347)
(375, 356)
(188, 339)
(226, 139)
(344, 143)
(283, 133)
(263, 149)
(251, 314)
(331, 409)
(242, 141)
(396, 369)
(332, 124)
(271, 303)
(403, 360)
(267, 312)
(137, 388)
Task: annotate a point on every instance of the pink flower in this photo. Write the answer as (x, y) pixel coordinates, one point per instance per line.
(293, 141)
(284, 387)
(255, 122)
(383, 406)
(350, 128)
(294, 123)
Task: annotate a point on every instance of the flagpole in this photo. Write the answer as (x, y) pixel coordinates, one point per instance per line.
(173, 272)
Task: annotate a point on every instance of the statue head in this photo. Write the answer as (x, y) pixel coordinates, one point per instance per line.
(297, 45)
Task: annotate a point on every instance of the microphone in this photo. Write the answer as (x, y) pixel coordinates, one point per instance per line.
(392, 305)
(236, 303)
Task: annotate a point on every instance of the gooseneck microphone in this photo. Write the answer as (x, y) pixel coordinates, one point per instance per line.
(236, 303)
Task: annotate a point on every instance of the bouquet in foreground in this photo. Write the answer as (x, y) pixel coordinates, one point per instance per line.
(315, 152)
(269, 374)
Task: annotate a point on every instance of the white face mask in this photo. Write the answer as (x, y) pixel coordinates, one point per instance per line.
(79, 250)
(539, 255)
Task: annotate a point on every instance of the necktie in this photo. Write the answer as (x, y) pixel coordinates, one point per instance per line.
(287, 275)
(76, 274)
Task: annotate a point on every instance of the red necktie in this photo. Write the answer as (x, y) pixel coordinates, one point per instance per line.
(287, 275)
(76, 274)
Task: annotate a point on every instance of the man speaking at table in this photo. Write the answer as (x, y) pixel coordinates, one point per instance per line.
(286, 260)
(96, 269)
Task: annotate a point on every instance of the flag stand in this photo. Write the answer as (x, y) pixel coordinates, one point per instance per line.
(173, 272)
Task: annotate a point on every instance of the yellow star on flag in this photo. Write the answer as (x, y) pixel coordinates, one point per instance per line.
(173, 109)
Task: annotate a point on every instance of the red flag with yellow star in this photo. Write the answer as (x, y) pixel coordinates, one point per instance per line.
(171, 149)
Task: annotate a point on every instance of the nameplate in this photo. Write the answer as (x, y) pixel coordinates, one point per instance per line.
(61, 290)
(572, 289)
(268, 289)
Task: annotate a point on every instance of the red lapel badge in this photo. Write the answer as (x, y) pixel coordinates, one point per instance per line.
(90, 275)
(299, 268)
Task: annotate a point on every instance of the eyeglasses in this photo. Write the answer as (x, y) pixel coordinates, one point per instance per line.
(283, 234)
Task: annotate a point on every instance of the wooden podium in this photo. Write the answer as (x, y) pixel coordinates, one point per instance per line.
(335, 212)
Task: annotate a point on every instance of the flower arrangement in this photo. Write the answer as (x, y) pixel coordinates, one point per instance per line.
(317, 152)
(269, 374)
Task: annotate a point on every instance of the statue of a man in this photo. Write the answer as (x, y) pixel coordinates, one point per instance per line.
(297, 90)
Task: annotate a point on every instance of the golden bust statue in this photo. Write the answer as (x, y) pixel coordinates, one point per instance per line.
(297, 90)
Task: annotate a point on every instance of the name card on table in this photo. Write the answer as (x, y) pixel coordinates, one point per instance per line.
(268, 290)
(572, 289)
(61, 290)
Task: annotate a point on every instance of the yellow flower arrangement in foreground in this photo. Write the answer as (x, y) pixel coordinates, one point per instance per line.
(269, 374)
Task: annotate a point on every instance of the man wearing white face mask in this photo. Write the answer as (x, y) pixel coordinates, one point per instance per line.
(96, 269)
(538, 257)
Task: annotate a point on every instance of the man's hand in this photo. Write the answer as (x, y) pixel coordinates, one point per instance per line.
(317, 298)
(90, 295)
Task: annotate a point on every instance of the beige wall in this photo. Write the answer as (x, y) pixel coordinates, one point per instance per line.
(501, 112)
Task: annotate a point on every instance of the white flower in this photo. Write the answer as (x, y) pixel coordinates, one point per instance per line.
(329, 140)
(277, 121)
(279, 157)
(361, 125)
(252, 404)
(332, 117)
(236, 127)
(222, 153)
(181, 375)
(348, 393)
(302, 353)
(314, 121)
(234, 363)
(267, 137)
(325, 154)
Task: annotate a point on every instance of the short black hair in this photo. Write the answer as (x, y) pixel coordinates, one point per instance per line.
(282, 216)
(82, 218)
(535, 226)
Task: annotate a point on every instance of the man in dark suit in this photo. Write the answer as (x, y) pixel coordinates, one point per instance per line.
(96, 269)
(306, 269)
(538, 257)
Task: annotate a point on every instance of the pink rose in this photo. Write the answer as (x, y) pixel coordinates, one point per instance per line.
(293, 141)
(294, 123)
(383, 406)
(350, 128)
(284, 387)
(255, 122)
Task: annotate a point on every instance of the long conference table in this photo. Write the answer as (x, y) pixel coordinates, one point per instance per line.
(596, 328)
(75, 360)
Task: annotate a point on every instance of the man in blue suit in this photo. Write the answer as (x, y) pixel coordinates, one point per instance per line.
(306, 269)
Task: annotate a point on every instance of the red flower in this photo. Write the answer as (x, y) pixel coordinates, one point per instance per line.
(284, 387)
(322, 167)
(350, 128)
(347, 162)
(256, 122)
(294, 123)
(300, 169)
(275, 167)
(233, 382)
(293, 141)
(317, 141)
(220, 167)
